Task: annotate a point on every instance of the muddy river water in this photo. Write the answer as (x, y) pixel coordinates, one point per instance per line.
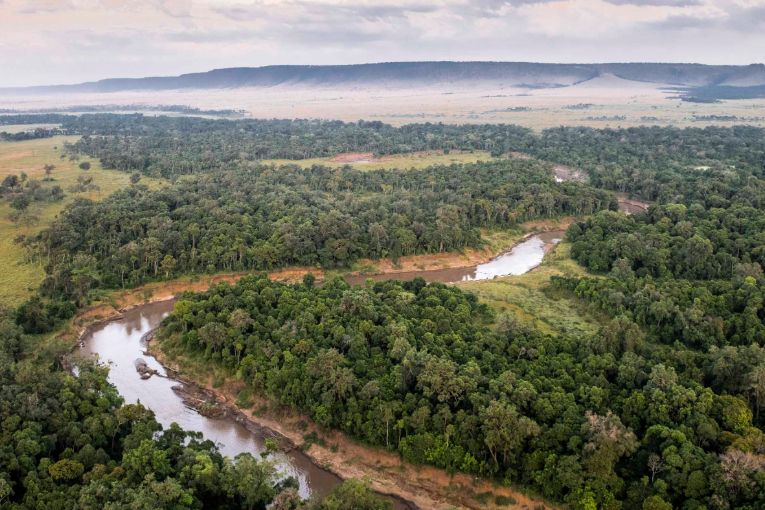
(522, 258)
(120, 343)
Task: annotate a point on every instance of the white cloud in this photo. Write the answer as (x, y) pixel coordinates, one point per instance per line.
(52, 41)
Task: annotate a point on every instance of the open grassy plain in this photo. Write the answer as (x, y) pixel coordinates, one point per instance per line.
(606, 101)
(20, 276)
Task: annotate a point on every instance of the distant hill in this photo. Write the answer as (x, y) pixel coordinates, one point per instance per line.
(730, 81)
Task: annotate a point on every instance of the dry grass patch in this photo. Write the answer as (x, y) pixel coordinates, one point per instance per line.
(413, 160)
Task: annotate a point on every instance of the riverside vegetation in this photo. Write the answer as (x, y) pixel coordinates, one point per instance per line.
(658, 408)
(69, 442)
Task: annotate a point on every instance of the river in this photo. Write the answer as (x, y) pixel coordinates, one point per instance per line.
(520, 259)
(120, 343)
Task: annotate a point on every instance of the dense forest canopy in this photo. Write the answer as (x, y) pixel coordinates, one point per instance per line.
(651, 162)
(28, 135)
(267, 217)
(660, 409)
(262, 217)
(426, 370)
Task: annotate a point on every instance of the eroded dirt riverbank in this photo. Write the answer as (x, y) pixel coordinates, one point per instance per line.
(419, 486)
(411, 486)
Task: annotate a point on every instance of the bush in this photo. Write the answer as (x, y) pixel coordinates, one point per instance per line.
(244, 399)
(504, 501)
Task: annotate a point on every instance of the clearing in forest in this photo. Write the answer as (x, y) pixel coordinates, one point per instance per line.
(411, 160)
(532, 301)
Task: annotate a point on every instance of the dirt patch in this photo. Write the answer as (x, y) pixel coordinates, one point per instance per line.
(354, 157)
(413, 159)
(630, 205)
(418, 155)
(562, 173)
(567, 173)
(549, 225)
(467, 258)
(160, 291)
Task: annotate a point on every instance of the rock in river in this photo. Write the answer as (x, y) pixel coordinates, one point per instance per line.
(143, 369)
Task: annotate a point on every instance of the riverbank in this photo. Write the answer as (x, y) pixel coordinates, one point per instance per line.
(116, 302)
(497, 242)
(422, 486)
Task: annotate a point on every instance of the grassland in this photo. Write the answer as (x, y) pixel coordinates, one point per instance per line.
(20, 277)
(530, 299)
(414, 160)
(596, 103)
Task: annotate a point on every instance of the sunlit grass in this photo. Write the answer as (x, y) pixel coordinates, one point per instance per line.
(414, 160)
(531, 300)
(20, 277)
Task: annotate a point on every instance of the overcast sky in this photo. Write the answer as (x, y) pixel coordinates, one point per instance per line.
(68, 41)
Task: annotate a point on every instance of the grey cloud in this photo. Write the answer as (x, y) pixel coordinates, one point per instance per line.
(238, 13)
(489, 8)
(655, 3)
(258, 10)
(381, 12)
(312, 23)
(305, 35)
(498, 4)
(174, 8)
(113, 43)
(327, 31)
(746, 19)
(680, 22)
(211, 36)
(37, 6)
(736, 18)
